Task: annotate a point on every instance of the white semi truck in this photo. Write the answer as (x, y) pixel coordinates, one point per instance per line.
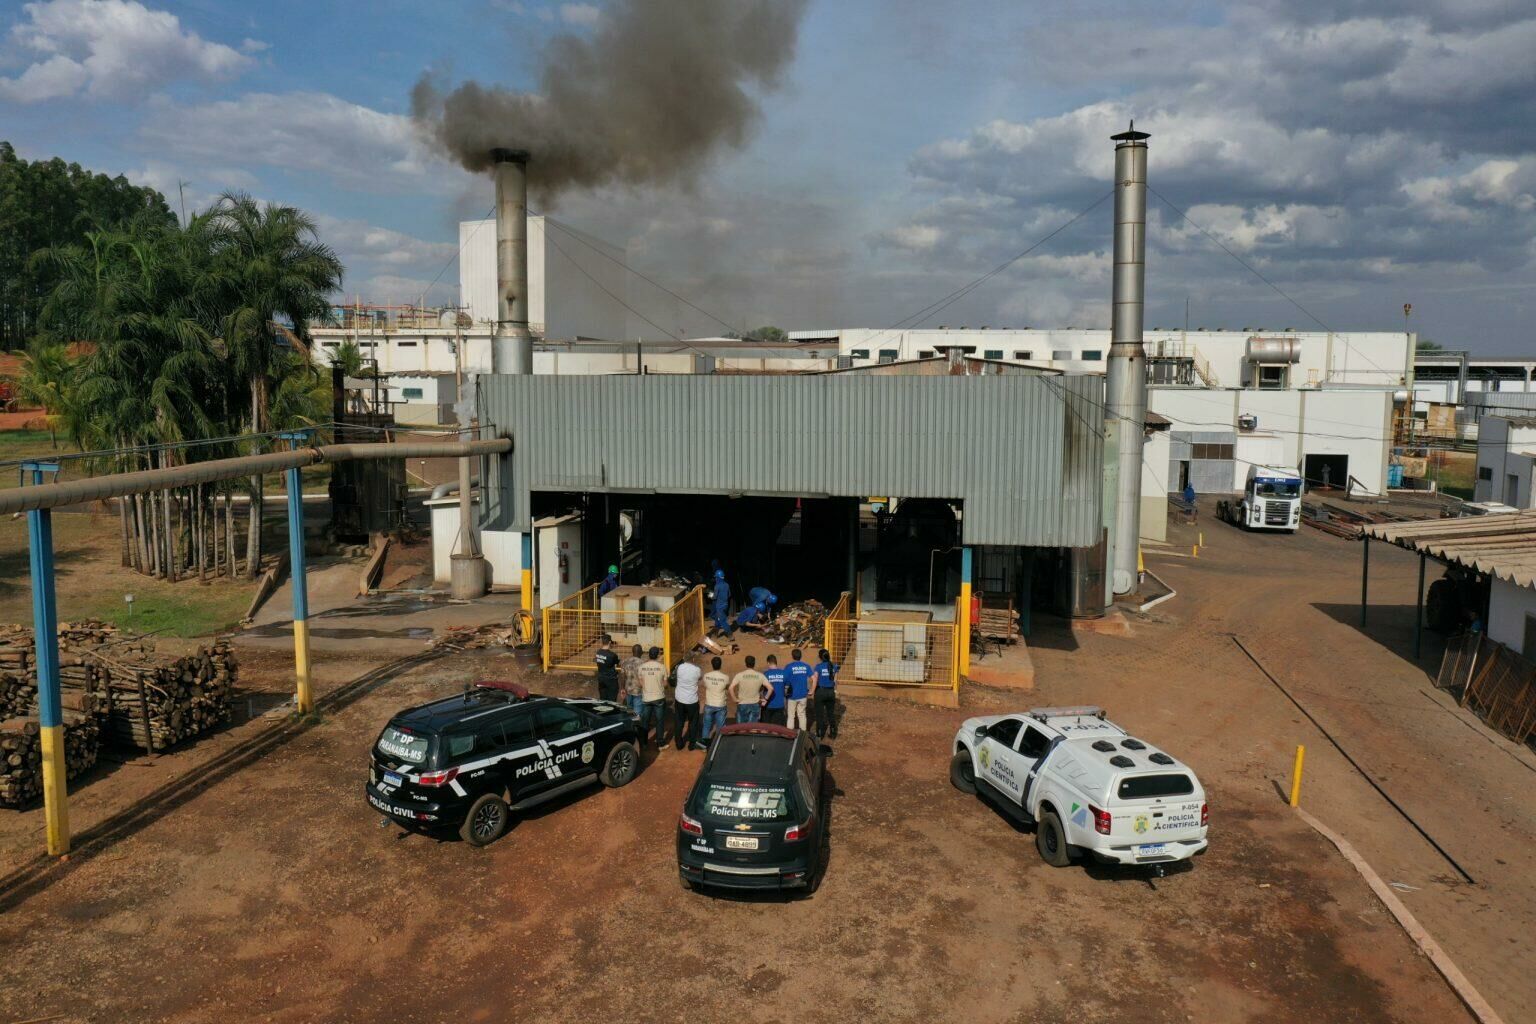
(1271, 500)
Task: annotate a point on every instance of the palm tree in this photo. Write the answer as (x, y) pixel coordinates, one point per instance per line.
(349, 357)
(271, 267)
(47, 381)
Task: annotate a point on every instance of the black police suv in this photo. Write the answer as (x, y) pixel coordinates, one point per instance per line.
(468, 761)
(755, 816)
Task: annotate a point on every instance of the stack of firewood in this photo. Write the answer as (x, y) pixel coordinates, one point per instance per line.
(803, 624)
(139, 695)
(156, 704)
(21, 755)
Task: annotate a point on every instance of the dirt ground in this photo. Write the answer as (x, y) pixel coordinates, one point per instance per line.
(245, 877)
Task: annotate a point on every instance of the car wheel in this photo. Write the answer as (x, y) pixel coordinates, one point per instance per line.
(1051, 841)
(962, 772)
(623, 761)
(486, 821)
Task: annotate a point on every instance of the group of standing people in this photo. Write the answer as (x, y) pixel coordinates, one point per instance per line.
(798, 695)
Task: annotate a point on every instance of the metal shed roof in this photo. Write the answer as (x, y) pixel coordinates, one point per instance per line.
(1025, 454)
(1499, 545)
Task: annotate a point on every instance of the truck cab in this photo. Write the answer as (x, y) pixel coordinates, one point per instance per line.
(1271, 500)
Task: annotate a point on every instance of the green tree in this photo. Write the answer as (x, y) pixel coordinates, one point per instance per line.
(766, 334)
(50, 204)
(1426, 345)
(270, 266)
(349, 357)
(47, 380)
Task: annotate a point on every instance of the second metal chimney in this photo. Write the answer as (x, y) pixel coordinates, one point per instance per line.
(512, 347)
(1125, 382)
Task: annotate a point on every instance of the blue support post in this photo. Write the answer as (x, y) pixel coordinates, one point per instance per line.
(303, 693)
(45, 628)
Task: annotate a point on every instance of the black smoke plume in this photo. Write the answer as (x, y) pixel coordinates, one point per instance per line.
(656, 90)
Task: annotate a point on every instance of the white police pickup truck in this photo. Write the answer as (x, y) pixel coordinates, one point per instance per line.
(1086, 786)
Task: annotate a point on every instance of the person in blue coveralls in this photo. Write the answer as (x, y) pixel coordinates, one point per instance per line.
(750, 617)
(722, 603)
(825, 695)
(762, 596)
(610, 582)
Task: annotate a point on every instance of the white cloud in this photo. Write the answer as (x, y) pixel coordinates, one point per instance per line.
(585, 15)
(116, 49)
(354, 145)
(358, 241)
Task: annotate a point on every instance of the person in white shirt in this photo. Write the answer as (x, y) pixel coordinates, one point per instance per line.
(685, 704)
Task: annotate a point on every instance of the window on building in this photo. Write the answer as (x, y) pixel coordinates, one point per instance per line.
(993, 353)
(331, 344)
(1201, 450)
(887, 355)
(859, 353)
(1485, 472)
(410, 393)
(926, 353)
(1061, 353)
(1022, 354)
(1092, 355)
(1273, 378)
(406, 344)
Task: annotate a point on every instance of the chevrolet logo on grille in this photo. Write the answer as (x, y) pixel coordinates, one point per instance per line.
(743, 827)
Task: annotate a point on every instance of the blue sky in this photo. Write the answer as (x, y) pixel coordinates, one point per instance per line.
(1360, 153)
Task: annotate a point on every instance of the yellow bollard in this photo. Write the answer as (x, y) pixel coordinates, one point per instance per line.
(1194, 551)
(1201, 535)
(1301, 753)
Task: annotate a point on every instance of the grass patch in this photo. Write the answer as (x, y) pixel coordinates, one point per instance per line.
(89, 582)
(185, 609)
(25, 444)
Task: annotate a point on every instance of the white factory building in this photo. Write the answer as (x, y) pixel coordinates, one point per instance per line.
(1250, 358)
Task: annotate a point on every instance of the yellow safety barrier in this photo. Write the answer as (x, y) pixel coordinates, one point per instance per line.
(889, 648)
(1301, 756)
(573, 629)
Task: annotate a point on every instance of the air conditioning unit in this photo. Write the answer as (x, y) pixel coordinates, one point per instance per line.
(1247, 422)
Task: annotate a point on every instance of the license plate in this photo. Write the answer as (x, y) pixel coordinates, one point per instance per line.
(741, 842)
(391, 779)
(1151, 849)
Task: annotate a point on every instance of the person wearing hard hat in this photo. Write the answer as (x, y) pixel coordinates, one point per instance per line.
(722, 602)
(610, 582)
(762, 596)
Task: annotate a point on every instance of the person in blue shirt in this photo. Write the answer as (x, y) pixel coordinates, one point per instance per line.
(610, 582)
(825, 695)
(773, 711)
(722, 605)
(750, 617)
(797, 682)
(762, 596)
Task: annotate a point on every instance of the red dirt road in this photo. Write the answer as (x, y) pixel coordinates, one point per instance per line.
(272, 894)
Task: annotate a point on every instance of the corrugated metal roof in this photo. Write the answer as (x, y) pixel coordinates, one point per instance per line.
(1024, 454)
(1499, 545)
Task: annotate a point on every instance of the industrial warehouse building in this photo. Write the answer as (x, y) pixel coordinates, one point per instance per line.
(775, 478)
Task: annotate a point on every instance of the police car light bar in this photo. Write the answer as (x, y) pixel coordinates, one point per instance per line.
(1085, 711)
(515, 689)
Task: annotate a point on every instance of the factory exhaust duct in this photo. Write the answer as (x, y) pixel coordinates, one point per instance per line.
(512, 346)
(1125, 382)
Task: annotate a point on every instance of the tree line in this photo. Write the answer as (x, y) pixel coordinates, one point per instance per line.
(158, 342)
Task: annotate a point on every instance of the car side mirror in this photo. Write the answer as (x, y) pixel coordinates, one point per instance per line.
(981, 732)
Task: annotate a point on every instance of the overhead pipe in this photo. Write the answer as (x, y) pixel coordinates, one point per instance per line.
(118, 485)
(1125, 379)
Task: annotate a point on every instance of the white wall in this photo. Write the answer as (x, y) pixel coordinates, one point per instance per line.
(1508, 605)
(1377, 358)
(1155, 486)
(1504, 450)
(1351, 422)
(577, 284)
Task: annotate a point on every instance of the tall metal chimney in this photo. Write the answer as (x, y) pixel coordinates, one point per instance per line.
(1125, 383)
(512, 347)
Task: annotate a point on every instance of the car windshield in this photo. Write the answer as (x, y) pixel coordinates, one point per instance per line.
(406, 746)
(1146, 787)
(748, 801)
(1277, 488)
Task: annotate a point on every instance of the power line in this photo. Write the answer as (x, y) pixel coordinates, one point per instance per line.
(549, 222)
(944, 303)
